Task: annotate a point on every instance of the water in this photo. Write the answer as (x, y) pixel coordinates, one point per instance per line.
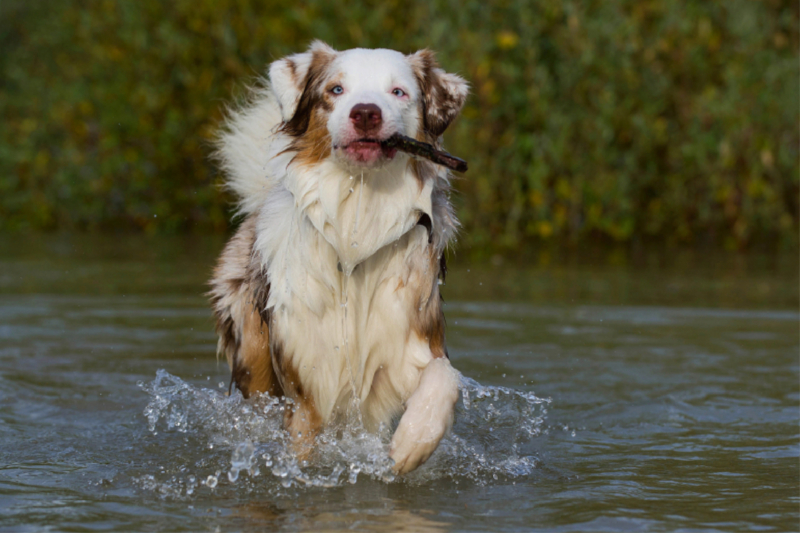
(651, 393)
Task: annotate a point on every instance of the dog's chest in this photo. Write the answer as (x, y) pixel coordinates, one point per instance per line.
(359, 214)
(361, 332)
(352, 275)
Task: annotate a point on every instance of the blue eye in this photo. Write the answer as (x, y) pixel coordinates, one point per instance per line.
(398, 93)
(337, 90)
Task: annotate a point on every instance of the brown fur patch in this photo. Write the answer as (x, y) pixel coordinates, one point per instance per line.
(315, 145)
(304, 421)
(226, 286)
(293, 71)
(309, 125)
(313, 96)
(422, 170)
(440, 105)
(259, 290)
(239, 294)
(303, 424)
(252, 370)
(429, 322)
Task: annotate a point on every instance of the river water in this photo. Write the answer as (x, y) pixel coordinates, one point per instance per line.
(653, 392)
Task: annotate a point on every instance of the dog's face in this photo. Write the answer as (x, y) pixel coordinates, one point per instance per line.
(343, 104)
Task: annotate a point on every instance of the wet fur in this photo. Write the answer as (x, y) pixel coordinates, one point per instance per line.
(284, 278)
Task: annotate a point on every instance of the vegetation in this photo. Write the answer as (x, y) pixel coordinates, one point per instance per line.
(624, 120)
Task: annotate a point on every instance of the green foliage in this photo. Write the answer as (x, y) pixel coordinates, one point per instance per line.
(619, 119)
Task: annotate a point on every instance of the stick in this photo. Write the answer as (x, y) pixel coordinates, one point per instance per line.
(415, 147)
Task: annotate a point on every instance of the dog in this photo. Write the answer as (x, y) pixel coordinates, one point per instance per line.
(328, 292)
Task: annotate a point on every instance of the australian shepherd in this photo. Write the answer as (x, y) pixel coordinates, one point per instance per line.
(328, 293)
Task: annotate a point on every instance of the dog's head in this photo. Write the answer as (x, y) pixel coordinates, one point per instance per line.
(343, 104)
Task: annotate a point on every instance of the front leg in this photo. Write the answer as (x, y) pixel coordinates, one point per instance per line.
(428, 416)
(303, 424)
(302, 421)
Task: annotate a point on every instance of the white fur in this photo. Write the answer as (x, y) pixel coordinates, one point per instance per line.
(284, 79)
(368, 77)
(428, 416)
(247, 149)
(346, 261)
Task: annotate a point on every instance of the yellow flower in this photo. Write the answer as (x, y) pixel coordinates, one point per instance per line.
(507, 39)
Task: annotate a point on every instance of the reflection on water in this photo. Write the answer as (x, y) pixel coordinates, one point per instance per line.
(666, 398)
(266, 515)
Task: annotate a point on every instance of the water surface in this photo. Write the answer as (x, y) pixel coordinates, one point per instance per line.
(608, 393)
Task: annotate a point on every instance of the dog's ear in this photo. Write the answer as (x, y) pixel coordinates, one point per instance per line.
(443, 94)
(288, 77)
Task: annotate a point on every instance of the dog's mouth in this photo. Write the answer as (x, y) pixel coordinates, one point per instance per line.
(368, 150)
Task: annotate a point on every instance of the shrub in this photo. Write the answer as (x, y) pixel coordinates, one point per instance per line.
(619, 119)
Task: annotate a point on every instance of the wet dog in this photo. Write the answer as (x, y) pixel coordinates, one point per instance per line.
(328, 293)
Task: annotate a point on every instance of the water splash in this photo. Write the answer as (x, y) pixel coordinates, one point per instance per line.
(233, 439)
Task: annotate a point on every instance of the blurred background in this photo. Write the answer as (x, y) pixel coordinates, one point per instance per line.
(642, 121)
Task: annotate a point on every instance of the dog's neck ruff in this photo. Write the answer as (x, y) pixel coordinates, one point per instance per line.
(359, 213)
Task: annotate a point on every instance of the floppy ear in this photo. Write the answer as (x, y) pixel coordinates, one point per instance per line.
(288, 77)
(443, 94)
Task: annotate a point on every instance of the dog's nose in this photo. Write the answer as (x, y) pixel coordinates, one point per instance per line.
(366, 117)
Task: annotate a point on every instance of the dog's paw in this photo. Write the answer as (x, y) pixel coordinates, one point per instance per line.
(428, 416)
(413, 443)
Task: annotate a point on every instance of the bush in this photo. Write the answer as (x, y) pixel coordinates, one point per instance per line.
(623, 120)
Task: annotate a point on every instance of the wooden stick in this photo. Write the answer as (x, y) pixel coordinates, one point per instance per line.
(421, 149)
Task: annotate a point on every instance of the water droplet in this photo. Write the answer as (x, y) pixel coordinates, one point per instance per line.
(354, 471)
(243, 458)
(211, 482)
